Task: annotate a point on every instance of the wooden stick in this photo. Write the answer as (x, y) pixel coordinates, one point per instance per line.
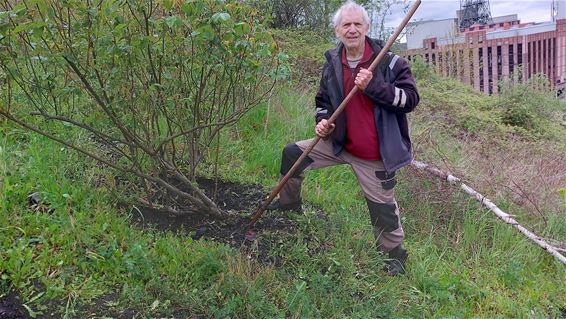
(498, 212)
(335, 115)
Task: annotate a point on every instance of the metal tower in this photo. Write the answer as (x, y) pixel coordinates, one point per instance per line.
(474, 11)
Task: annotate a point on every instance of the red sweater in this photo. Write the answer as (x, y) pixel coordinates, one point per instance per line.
(361, 134)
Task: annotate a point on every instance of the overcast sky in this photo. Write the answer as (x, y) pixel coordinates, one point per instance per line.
(528, 10)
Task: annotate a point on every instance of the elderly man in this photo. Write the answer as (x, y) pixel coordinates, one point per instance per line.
(371, 135)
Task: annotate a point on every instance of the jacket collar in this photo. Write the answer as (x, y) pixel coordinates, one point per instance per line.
(366, 56)
(334, 57)
(336, 53)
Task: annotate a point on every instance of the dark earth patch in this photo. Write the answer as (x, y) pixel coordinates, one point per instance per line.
(11, 308)
(239, 202)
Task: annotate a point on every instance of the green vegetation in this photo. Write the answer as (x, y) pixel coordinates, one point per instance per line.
(305, 59)
(86, 254)
(152, 86)
(517, 161)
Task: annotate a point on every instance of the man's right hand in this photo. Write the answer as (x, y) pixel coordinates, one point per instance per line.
(323, 128)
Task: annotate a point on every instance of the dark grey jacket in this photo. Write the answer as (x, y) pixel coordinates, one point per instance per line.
(394, 93)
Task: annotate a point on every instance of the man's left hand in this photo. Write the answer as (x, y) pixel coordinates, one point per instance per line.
(362, 79)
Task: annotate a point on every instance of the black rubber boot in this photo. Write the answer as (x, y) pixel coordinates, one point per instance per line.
(276, 205)
(395, 265)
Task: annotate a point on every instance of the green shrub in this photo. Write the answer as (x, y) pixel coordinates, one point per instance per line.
(151, 84)
(518, 115)
(306, 53)
(531, 105)
(421, 70)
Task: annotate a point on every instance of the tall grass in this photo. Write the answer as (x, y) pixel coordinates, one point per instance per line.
(463, 262)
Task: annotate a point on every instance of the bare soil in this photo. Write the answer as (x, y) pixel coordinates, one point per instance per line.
(239, 202)
(11, 308)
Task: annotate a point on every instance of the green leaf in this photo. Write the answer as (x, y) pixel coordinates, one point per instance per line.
(119, 28)
(173, 22)
(204, 33)
(4, 15)
(142, 42)
(241, 28)
(20, 10)
(188, 8)
(22, 27)
(167, 75)
(228, 36)
(50, 12)
(31, 313)
(220, 17)
(192, 8)
(38, 32)
(282, 57)
(110, 6)
(69, 57)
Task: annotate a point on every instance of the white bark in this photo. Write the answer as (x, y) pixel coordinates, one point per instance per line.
(498, 212)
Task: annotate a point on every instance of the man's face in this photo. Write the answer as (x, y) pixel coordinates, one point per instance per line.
(352, 29)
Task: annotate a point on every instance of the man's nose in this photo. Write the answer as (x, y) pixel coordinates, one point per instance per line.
(352, 29)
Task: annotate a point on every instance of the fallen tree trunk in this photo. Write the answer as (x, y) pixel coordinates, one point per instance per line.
(555, 251)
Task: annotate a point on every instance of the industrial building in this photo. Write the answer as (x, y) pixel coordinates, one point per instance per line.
(485, 51)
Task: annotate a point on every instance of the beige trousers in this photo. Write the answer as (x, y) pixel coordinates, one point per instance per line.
(377, 186)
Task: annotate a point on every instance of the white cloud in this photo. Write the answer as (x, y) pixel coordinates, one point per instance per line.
(528, 10)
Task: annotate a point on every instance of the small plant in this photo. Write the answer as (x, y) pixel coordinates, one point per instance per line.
(421, 70)
(518, 115)
(530, 104)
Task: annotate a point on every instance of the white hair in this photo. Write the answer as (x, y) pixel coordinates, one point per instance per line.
(350, 5)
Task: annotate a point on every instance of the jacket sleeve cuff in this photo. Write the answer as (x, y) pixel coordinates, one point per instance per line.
(388, 95)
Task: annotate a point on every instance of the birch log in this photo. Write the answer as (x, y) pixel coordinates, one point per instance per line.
(498, 212)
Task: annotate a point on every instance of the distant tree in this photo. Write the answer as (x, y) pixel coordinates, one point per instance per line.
(151, 83)
(379, 11)
(316, 15)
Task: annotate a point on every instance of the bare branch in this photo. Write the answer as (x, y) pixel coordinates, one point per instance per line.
(108, 140)
(496, 210)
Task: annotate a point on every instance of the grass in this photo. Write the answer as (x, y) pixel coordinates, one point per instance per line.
(464, 263)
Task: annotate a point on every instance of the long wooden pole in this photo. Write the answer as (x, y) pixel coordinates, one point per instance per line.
(335, 115)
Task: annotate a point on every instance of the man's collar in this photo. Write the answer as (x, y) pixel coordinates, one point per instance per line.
(368, 53)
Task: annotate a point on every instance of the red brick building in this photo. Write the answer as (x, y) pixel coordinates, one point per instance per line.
(482, 55)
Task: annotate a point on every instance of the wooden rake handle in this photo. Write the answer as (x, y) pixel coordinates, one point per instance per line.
(335, 115)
